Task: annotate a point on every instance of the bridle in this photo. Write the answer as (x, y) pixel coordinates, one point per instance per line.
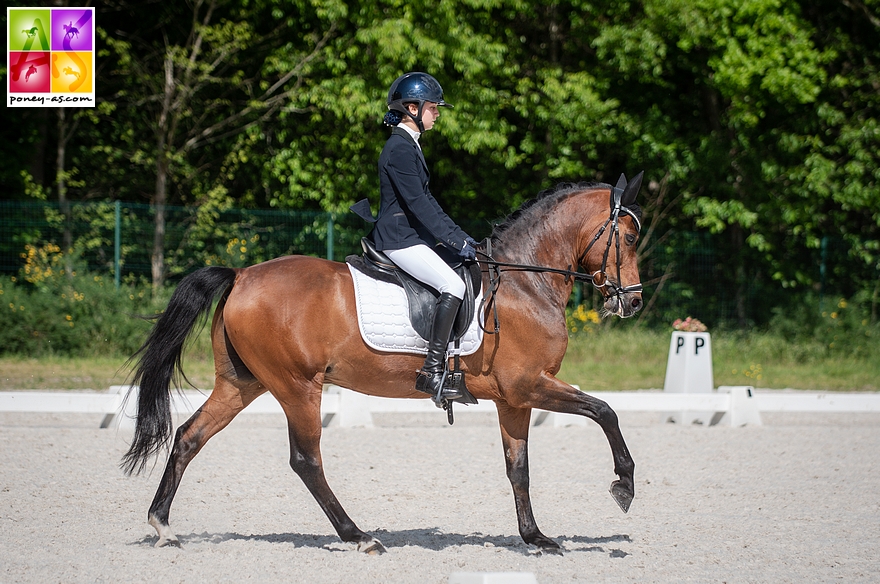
(599, 278)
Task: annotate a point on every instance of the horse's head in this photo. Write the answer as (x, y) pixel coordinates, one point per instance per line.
(537, 237)
(613, 266)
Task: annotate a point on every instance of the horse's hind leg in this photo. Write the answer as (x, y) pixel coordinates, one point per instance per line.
(515, 439)
(304, 429)
(225, 402)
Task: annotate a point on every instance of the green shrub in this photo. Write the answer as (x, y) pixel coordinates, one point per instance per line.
(828, 327)
(84, 317)
(52, 309)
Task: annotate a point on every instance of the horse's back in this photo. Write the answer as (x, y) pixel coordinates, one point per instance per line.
(268, 289)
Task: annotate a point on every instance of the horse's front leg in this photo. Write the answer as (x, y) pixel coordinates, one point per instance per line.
(553, 395)
(515, 440)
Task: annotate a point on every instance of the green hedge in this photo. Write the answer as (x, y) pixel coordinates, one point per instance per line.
(56, 306)
(54, 312)
(76, 315)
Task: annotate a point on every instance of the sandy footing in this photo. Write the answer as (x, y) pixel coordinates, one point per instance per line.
(795, 500)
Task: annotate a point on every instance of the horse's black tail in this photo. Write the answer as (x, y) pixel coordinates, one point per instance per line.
(159, 361)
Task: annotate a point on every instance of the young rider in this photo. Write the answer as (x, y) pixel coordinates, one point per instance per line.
(411, 221)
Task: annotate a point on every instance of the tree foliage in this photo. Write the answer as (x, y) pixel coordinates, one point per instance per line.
(757, 121)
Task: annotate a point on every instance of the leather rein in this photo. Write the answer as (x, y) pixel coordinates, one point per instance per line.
(599, 278)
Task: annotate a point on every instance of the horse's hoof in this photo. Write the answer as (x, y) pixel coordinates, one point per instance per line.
(622, 495)
(166, 536)
(554, 550)
(371, 547)
(545, 545)
(168, 541)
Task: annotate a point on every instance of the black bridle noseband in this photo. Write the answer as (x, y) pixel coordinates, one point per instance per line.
(599, 278)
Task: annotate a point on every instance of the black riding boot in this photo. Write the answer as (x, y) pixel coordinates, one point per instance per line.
(430, 378)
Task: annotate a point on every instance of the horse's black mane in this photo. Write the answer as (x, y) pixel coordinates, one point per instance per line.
(546, 197)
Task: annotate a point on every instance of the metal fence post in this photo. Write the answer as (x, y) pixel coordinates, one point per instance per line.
(330, 237)
(117, 241)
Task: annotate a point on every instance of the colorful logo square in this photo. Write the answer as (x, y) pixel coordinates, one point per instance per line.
(30, 72)
(72, 30)
(71, 72)
(50, 56)
(28, 29)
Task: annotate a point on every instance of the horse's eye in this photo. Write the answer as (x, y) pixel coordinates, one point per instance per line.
(630, 239)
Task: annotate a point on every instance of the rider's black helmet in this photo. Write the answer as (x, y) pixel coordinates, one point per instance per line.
(415, 87)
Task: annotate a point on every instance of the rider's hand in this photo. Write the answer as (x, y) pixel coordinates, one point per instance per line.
(468, 250)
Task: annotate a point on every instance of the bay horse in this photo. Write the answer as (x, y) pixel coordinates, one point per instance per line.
(288, 326)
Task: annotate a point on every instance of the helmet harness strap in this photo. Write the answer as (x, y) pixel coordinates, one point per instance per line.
(417, 118)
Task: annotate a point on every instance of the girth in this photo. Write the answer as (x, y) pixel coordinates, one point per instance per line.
(422, 299)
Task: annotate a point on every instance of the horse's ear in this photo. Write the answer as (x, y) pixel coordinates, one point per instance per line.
(631, 191)
(617, 191)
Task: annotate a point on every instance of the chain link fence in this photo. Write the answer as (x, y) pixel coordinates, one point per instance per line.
(689, 274)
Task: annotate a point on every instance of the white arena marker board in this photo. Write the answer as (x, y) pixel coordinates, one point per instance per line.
(492, 578)
(689, 370)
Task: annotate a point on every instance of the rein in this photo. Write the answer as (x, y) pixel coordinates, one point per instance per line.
(599, 278)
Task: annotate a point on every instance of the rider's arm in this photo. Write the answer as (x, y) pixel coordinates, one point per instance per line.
(411, 185)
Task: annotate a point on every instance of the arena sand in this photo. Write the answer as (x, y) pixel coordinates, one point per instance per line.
(795, 500)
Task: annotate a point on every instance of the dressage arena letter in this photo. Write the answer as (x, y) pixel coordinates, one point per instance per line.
(689, 370)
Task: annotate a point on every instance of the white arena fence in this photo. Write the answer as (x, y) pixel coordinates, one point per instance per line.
(734, 405)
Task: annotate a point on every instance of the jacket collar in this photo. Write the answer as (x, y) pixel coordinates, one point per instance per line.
(401, 132)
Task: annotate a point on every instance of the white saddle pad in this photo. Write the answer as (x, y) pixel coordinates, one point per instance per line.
(383, 319)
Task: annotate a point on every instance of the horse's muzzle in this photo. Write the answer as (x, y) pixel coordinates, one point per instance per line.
(624, 305)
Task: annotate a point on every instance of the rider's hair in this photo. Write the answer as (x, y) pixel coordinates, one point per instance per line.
(393, 117)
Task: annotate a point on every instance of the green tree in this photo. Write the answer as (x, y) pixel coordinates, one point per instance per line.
(756, 122)
(199, 78)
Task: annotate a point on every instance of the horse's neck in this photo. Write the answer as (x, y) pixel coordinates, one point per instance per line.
(557, 241)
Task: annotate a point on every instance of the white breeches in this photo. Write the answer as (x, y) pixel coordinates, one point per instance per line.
(420, 262)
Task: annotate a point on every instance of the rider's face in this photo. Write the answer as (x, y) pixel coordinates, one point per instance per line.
(430, 113)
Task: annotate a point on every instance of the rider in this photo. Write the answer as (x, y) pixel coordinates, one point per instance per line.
(411, 221)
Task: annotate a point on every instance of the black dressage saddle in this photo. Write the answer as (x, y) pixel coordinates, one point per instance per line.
(422, 298)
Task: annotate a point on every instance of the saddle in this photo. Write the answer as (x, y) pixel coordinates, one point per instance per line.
(421, 298)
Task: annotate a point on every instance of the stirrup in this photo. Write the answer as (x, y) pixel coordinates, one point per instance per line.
(426, 381)
(455, 380)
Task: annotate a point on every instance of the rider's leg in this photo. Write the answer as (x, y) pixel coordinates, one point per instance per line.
(430, 378)
(426, 266)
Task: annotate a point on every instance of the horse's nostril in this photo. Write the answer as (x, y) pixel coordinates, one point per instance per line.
(636, 303)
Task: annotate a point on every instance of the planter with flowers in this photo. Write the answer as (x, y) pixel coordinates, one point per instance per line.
(689, 325)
